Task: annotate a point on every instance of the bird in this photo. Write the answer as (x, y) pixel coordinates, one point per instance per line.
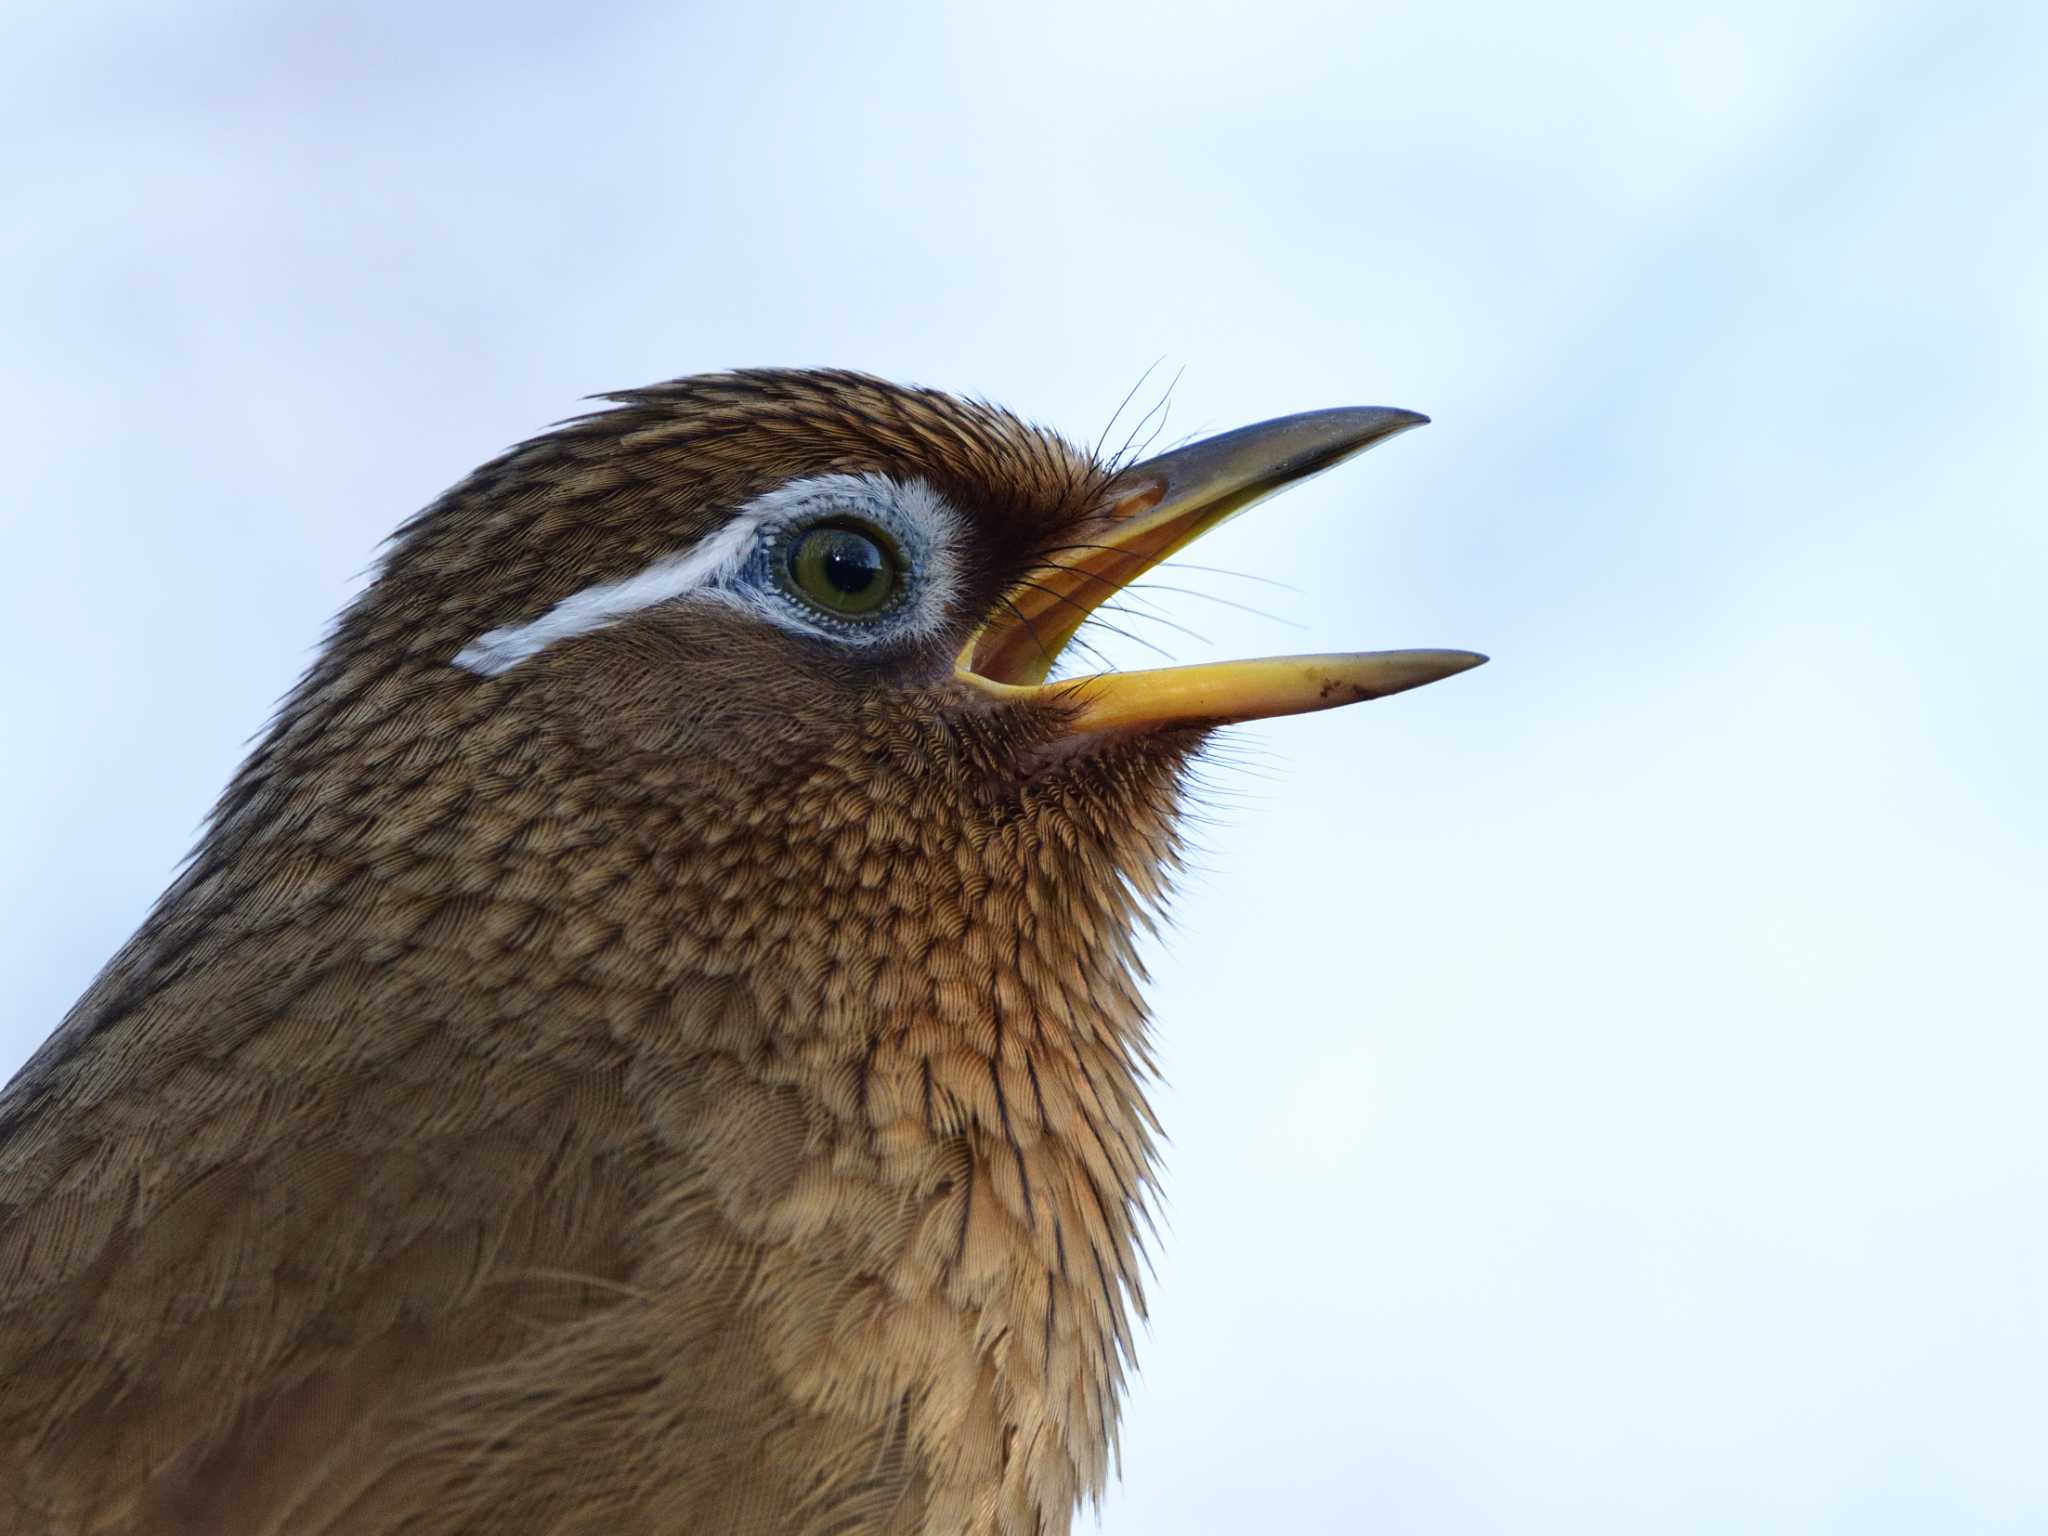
(652, 1037)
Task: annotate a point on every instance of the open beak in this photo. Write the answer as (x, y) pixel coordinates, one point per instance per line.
(1151, 511)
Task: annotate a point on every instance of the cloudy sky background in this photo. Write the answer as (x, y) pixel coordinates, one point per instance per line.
(1606, 1089)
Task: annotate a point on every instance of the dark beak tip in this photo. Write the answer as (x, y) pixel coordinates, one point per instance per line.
(1360, 427)
(1443, 664)
(1395, 421)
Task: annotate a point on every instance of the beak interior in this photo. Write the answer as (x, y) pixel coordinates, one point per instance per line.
(1155, 509)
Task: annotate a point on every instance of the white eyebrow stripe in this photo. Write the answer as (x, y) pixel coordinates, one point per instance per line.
(703, 565)
(929, 528)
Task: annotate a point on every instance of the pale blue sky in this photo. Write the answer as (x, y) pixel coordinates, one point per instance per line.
(1605, 1090)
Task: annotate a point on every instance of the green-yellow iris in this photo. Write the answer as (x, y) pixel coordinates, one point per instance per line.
(844, 570)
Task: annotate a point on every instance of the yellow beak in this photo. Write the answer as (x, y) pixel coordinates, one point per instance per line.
(1151, 511)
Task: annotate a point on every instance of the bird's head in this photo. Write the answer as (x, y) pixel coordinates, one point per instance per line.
(798, 625)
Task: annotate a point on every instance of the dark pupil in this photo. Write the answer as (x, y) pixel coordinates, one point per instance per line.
(852, 563)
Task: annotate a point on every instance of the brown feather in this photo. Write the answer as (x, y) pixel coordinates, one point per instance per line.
(668, 1090)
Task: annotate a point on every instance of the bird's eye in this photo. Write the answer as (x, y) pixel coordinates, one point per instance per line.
(849, 570)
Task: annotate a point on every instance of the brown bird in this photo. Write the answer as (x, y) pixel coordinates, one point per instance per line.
(650, 1041)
